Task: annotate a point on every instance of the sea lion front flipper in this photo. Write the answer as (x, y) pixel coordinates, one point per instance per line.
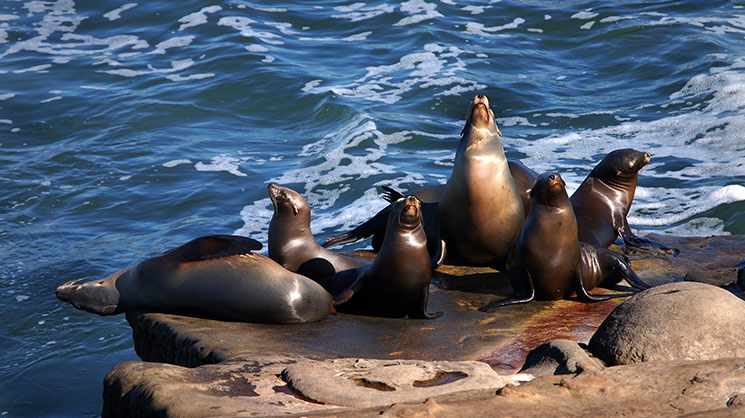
(211, 247)
(420, 311)
(391, 195)
(374, 226)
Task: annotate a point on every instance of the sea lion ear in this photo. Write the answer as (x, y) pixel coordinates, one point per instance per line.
(294, 209)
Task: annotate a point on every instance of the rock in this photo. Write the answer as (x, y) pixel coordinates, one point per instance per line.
(234, 388)
(252, 388)
(559, 357)
(362, 383)
(684, 320)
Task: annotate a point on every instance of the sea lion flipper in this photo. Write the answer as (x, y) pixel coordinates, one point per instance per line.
(344, 284)
(514, 301)
(632, 240)
(212, 247)
(391, 195)
(420, 311)
(374, 226)
(585, 296)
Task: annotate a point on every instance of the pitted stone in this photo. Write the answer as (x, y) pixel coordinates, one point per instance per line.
(367, 383)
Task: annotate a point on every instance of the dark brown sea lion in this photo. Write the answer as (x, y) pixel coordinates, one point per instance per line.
(602, 202)
(397, 283)
(216, 276)
(480, 211)
(548, 262)
(291, 242)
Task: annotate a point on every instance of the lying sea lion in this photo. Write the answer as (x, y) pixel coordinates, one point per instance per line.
(397, 283)
(603, 200)
(480, 211)
(291, 243)
(216, 276)
(548, 261)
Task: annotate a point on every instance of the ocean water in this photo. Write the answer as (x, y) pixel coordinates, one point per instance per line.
(128, 128)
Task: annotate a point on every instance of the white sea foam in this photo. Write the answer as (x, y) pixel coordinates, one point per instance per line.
(174, 163)
(197, 18)
(357, 11)
(479, 28)
(419, 10)
(117, 13)
(437, 65)
(587, 14)
(222, 162)
(176, 42)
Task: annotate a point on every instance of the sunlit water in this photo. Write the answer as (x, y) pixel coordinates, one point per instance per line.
(129, 128)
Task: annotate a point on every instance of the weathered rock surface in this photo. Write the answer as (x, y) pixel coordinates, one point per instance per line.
(660, 389)
(675, 321)
(363, 383)
(657, 389)
(559, 357)
(229, 362)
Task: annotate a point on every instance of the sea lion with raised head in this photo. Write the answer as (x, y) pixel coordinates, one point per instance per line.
(524, 178)
(216, 276)
(548, 262)
(603, 200)
(291, 242)
(480, 211)
(397, 283)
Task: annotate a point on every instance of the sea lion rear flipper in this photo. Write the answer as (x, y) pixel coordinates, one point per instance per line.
(504, 302)
(344, 284)
(420, 311)
(632, 240)
(391, 195)
(585, 296)
(374, 226)
(213, 246)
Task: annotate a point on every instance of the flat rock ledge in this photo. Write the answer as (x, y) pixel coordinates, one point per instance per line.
(461, 363)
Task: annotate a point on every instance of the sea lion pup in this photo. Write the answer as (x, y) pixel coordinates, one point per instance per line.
(480, 212)
(603, 200)
(548, 262)
(291, 243)
(397, 283)
(216, 276)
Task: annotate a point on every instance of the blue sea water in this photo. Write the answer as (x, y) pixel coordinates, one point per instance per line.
(128, 128)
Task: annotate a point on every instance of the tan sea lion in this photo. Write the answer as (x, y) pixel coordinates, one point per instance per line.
(291, 242)
(480, 212)
(603, 200)
(430, 196)
(548, 261)
(397, 283)
(216, 276)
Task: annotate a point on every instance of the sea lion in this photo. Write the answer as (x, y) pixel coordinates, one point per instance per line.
(397, 282)
(430, 196)
(524, 178)
(548, 261)
(291, 243)
(216, 276)
(480, 212)
(603, 200)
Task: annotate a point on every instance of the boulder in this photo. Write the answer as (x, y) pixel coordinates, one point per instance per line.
(675, 321)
